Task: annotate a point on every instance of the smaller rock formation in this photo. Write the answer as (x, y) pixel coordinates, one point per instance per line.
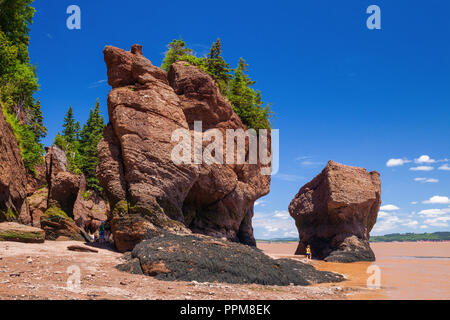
(336, 211)
(12, 231)
(57, 225)
(89, 208)
(37, 203)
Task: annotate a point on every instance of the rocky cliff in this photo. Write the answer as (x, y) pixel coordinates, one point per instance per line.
(335, 212)
(13, 175)
(146, 189)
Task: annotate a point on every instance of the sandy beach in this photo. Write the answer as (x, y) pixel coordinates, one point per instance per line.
(39, 271)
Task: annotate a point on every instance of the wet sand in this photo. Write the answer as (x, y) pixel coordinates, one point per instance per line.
(409, 270)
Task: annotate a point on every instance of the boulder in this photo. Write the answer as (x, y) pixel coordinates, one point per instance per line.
(56, 224)
(11, 231)
(64, 191)
(336, 211)
(89, 209)
(136, 170)
(13, 176)
(38, 205)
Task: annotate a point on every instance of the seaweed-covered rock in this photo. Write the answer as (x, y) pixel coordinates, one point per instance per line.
(11, 231)
(206, 259)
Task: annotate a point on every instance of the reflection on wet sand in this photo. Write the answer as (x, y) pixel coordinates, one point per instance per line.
(409, 270)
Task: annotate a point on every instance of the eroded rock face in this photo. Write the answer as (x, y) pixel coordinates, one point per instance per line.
(335, 212)
(136, 170)
(12, 175)
(89, 208)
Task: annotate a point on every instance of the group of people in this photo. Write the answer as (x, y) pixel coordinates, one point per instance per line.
(102, 234)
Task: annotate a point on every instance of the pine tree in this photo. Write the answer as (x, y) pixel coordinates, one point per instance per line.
(216, 65)
(36, 121)
(90, 136)
(71, 127)
(177, 49)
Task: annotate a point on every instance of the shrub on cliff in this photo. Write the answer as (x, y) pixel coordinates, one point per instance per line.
(18, 81)
(234, 84)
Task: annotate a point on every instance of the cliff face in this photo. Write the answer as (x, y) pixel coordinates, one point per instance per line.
(336, 211)
(12, 175)
(148, 190)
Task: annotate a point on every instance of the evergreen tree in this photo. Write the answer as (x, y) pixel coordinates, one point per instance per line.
(71, 127)
(90, 136)
(247, 102)
(36, 121)
(216, 65)
(177, 49)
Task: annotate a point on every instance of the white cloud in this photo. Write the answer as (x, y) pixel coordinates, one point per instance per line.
(438, 222)
(421, 168)
(437, 199)
(274, 224)
(424, 226)
(281, 214)
(424, 159)
(389, 207)
(414, 202)
(410, 223)
(97, 84)
(426, 180)
(260, 202)
(396, 162)
(444, 167)
(434, 212)
(383, 214)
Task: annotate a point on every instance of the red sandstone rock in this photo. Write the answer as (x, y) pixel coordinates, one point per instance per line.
(12, 175)
(136, 169)
(335, 212)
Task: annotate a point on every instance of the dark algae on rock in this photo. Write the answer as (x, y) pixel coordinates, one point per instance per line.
(200, 258)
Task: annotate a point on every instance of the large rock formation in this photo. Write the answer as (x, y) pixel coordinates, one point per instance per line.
(145, 187)
(12, 175)
(335, 212)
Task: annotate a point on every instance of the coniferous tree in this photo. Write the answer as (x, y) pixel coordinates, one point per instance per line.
(177, 49)
(90, 136)
(71, 128)
(216, 65)
(36, 121)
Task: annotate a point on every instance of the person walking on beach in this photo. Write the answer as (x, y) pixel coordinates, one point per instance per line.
(308, 252)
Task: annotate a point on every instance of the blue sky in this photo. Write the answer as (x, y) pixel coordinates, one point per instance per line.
(340, 91)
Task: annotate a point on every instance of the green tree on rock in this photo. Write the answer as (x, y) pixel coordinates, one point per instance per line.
(71, 128)
(90, 136)
(216, 65)
(177, 49)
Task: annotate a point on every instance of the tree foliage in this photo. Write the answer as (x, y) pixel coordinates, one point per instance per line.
(234, 84)
(18, 81)
(81, 146)
(177, 49)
